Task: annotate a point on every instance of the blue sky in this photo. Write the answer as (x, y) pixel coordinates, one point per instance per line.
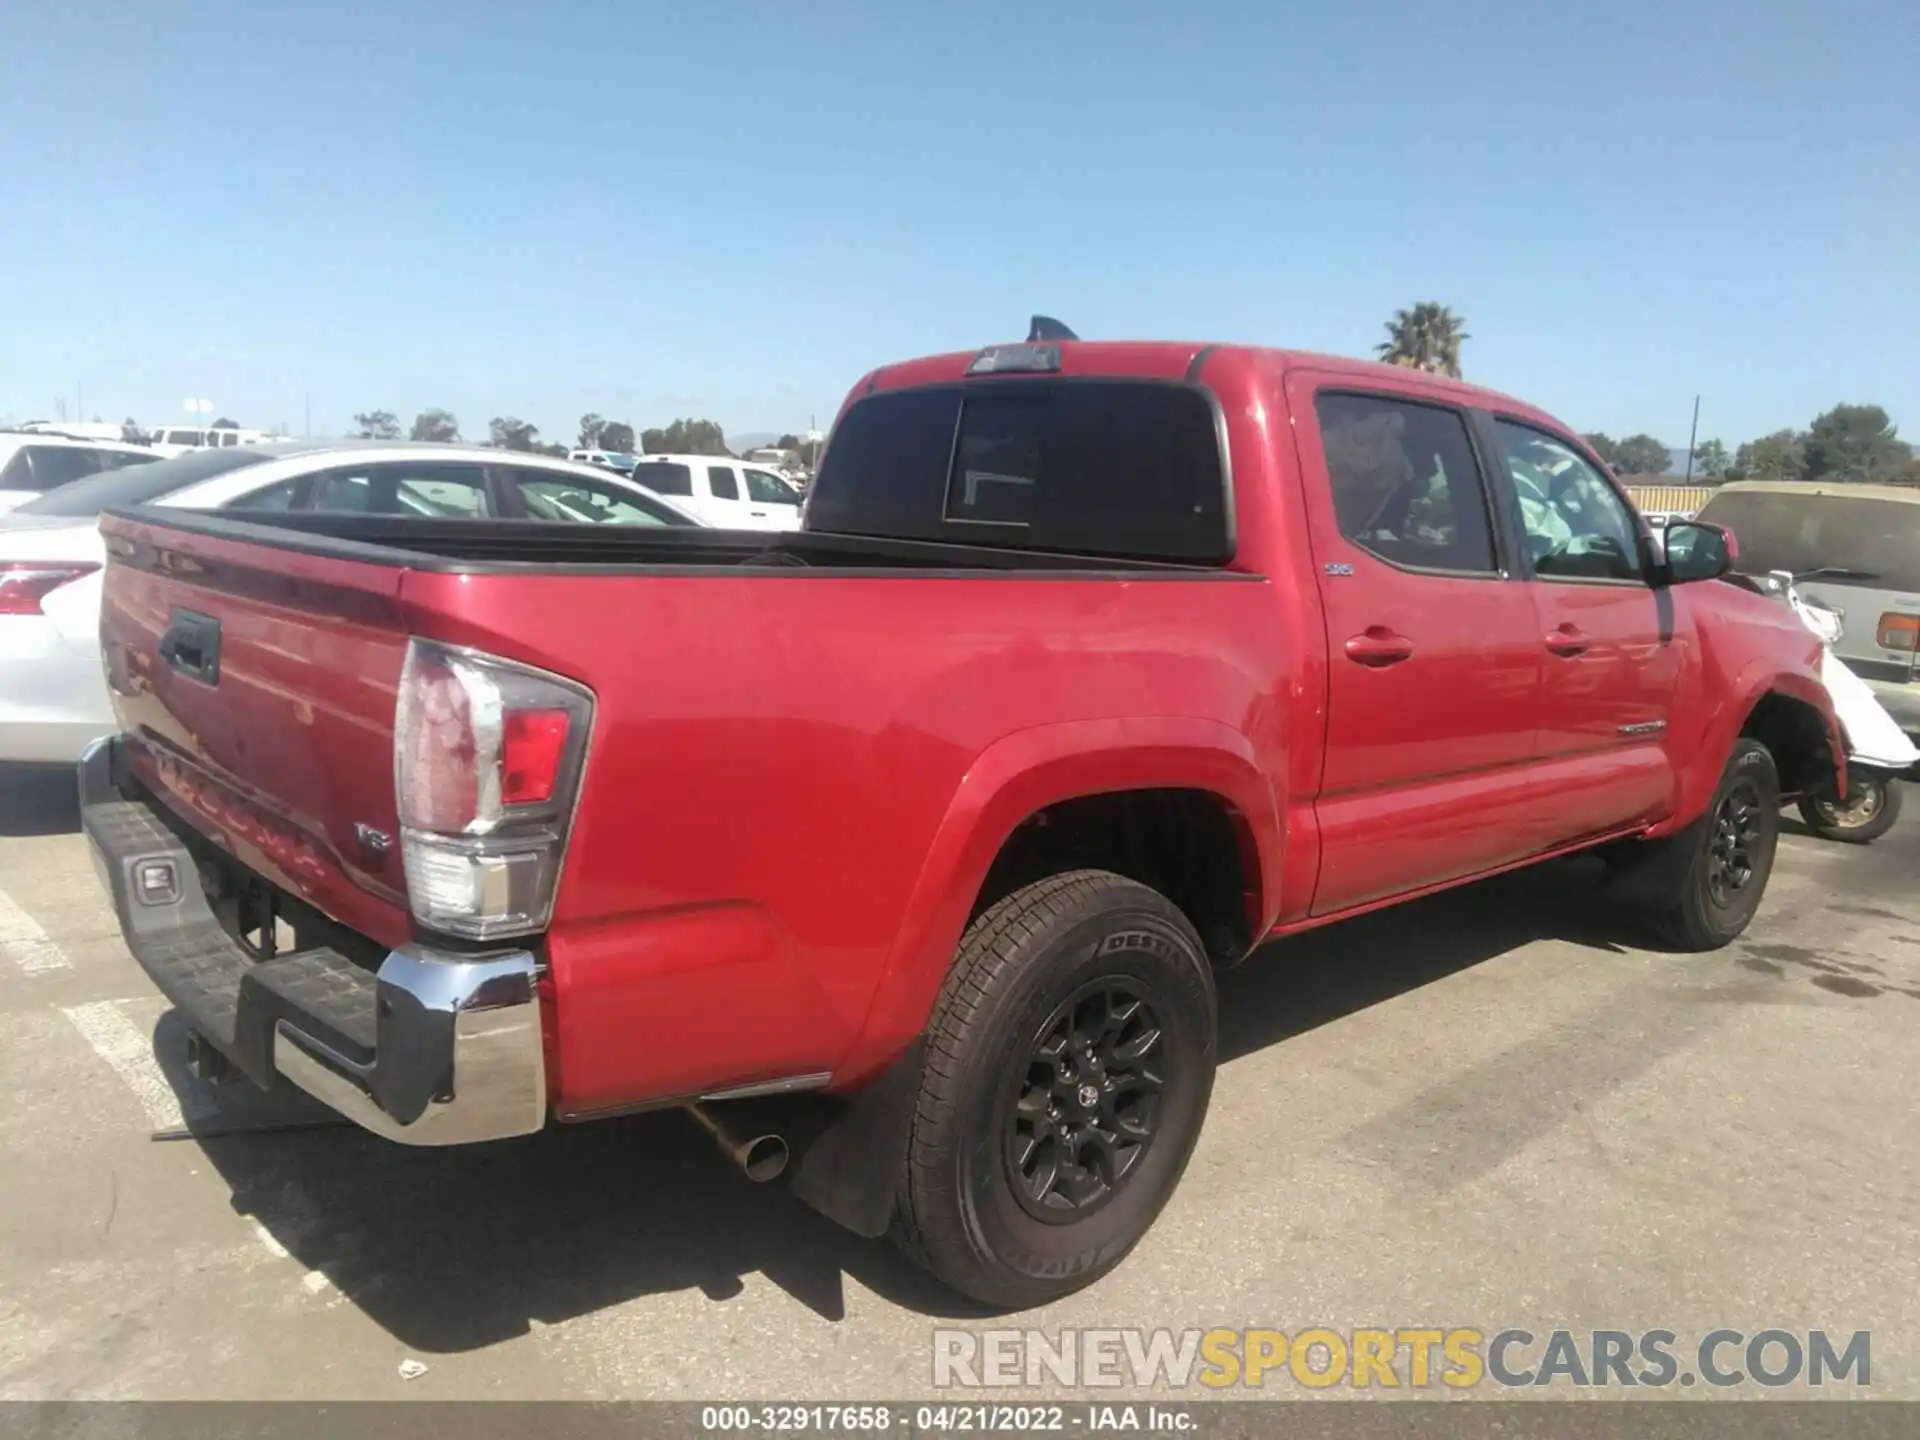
(734, 209)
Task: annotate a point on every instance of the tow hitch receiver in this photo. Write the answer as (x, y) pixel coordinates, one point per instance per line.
(206, 1063)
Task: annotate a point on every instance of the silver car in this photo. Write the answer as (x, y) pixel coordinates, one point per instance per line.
(1865, 541)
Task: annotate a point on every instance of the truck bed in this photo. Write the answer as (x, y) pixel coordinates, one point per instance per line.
(492, 546)
(784, 727)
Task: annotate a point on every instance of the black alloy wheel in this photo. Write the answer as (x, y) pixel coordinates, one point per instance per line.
(1733, 849)
(1083, 1115)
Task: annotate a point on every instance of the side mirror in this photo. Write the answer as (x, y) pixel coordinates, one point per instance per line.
(1697, 551)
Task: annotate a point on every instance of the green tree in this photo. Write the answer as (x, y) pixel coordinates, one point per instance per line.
(1641, 455)
(131, 433)
(377, 425)
(591, 426)
(223, 423)
(1710, 460)
(1779, 456)
(617, 436)
(1604, 446)
(504, 432)
(551, 447)
(1427, 337)
(1853, 442)
(436, 425)
(686, 437)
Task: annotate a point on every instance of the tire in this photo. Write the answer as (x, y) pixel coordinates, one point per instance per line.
(986, 1202)
(1872, 807)
(1702, 885)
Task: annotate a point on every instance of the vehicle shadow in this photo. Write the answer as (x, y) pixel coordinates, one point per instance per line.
(451, 1250)
(38, 800)
(1299, 984)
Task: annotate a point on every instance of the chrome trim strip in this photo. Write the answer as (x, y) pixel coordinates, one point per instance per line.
(787, 1085)
(1644, 727)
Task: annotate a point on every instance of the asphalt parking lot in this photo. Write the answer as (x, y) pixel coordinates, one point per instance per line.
(1487, 1109)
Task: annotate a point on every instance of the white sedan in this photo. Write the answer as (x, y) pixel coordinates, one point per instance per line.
(32, 462)
(53, 696)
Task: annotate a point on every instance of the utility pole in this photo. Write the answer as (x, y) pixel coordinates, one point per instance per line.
(1693, 438)
(309, 422)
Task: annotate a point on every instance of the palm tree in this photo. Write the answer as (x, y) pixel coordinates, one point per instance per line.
(1427, 337)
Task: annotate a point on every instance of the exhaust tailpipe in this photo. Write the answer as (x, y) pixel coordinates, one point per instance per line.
(760, 1157)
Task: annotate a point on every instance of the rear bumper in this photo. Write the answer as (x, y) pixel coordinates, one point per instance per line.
(430, 1049)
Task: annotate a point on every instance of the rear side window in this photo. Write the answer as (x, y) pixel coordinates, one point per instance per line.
(138, 484)
(720, 480)
(274, 497)
(424, 491)
(548, 496)
(665, 478)
(1125, 469)
(51, 466)
(1405, 483)
(116, 459)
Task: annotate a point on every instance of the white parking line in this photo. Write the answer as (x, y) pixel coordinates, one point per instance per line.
(121, 1043)
(265, 1237)
(27, 945)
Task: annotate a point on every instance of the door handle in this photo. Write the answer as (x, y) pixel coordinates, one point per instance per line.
(191, 645)
(758, 514)
(1568, 640)
(1377, 646)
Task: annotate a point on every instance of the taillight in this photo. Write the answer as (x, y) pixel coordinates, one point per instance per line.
(487, 761)
(1898, 632)
(25, 583)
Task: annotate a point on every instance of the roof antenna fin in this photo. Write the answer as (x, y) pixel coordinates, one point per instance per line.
(1045, 327)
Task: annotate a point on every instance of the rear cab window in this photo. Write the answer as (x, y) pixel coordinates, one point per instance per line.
(1876, 539)
(1115, 468)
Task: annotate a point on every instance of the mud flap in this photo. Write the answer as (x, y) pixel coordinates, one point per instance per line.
(850, 1171)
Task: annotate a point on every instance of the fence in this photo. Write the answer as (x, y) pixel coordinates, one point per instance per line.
(1668, 499)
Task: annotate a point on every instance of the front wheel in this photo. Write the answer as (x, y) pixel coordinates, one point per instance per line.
(1871, 807)
(1702, 885)
(1069, 1063)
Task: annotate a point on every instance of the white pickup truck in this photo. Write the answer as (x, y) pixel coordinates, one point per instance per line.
(726, 493)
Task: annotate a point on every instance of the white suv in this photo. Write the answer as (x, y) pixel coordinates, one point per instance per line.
(722, 491)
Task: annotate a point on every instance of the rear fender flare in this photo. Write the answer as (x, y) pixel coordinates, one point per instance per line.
(1010, 780)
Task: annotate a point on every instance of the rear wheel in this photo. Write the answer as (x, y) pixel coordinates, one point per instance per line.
(1069, 1063)
(1871, 807)
(1703, 884)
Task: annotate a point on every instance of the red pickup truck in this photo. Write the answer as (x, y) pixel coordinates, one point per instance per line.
(922, 829)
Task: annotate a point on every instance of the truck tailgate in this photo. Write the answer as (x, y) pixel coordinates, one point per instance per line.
(256, 687)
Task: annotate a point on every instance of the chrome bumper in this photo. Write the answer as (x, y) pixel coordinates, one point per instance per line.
(433, 1048)
(464, 1032)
